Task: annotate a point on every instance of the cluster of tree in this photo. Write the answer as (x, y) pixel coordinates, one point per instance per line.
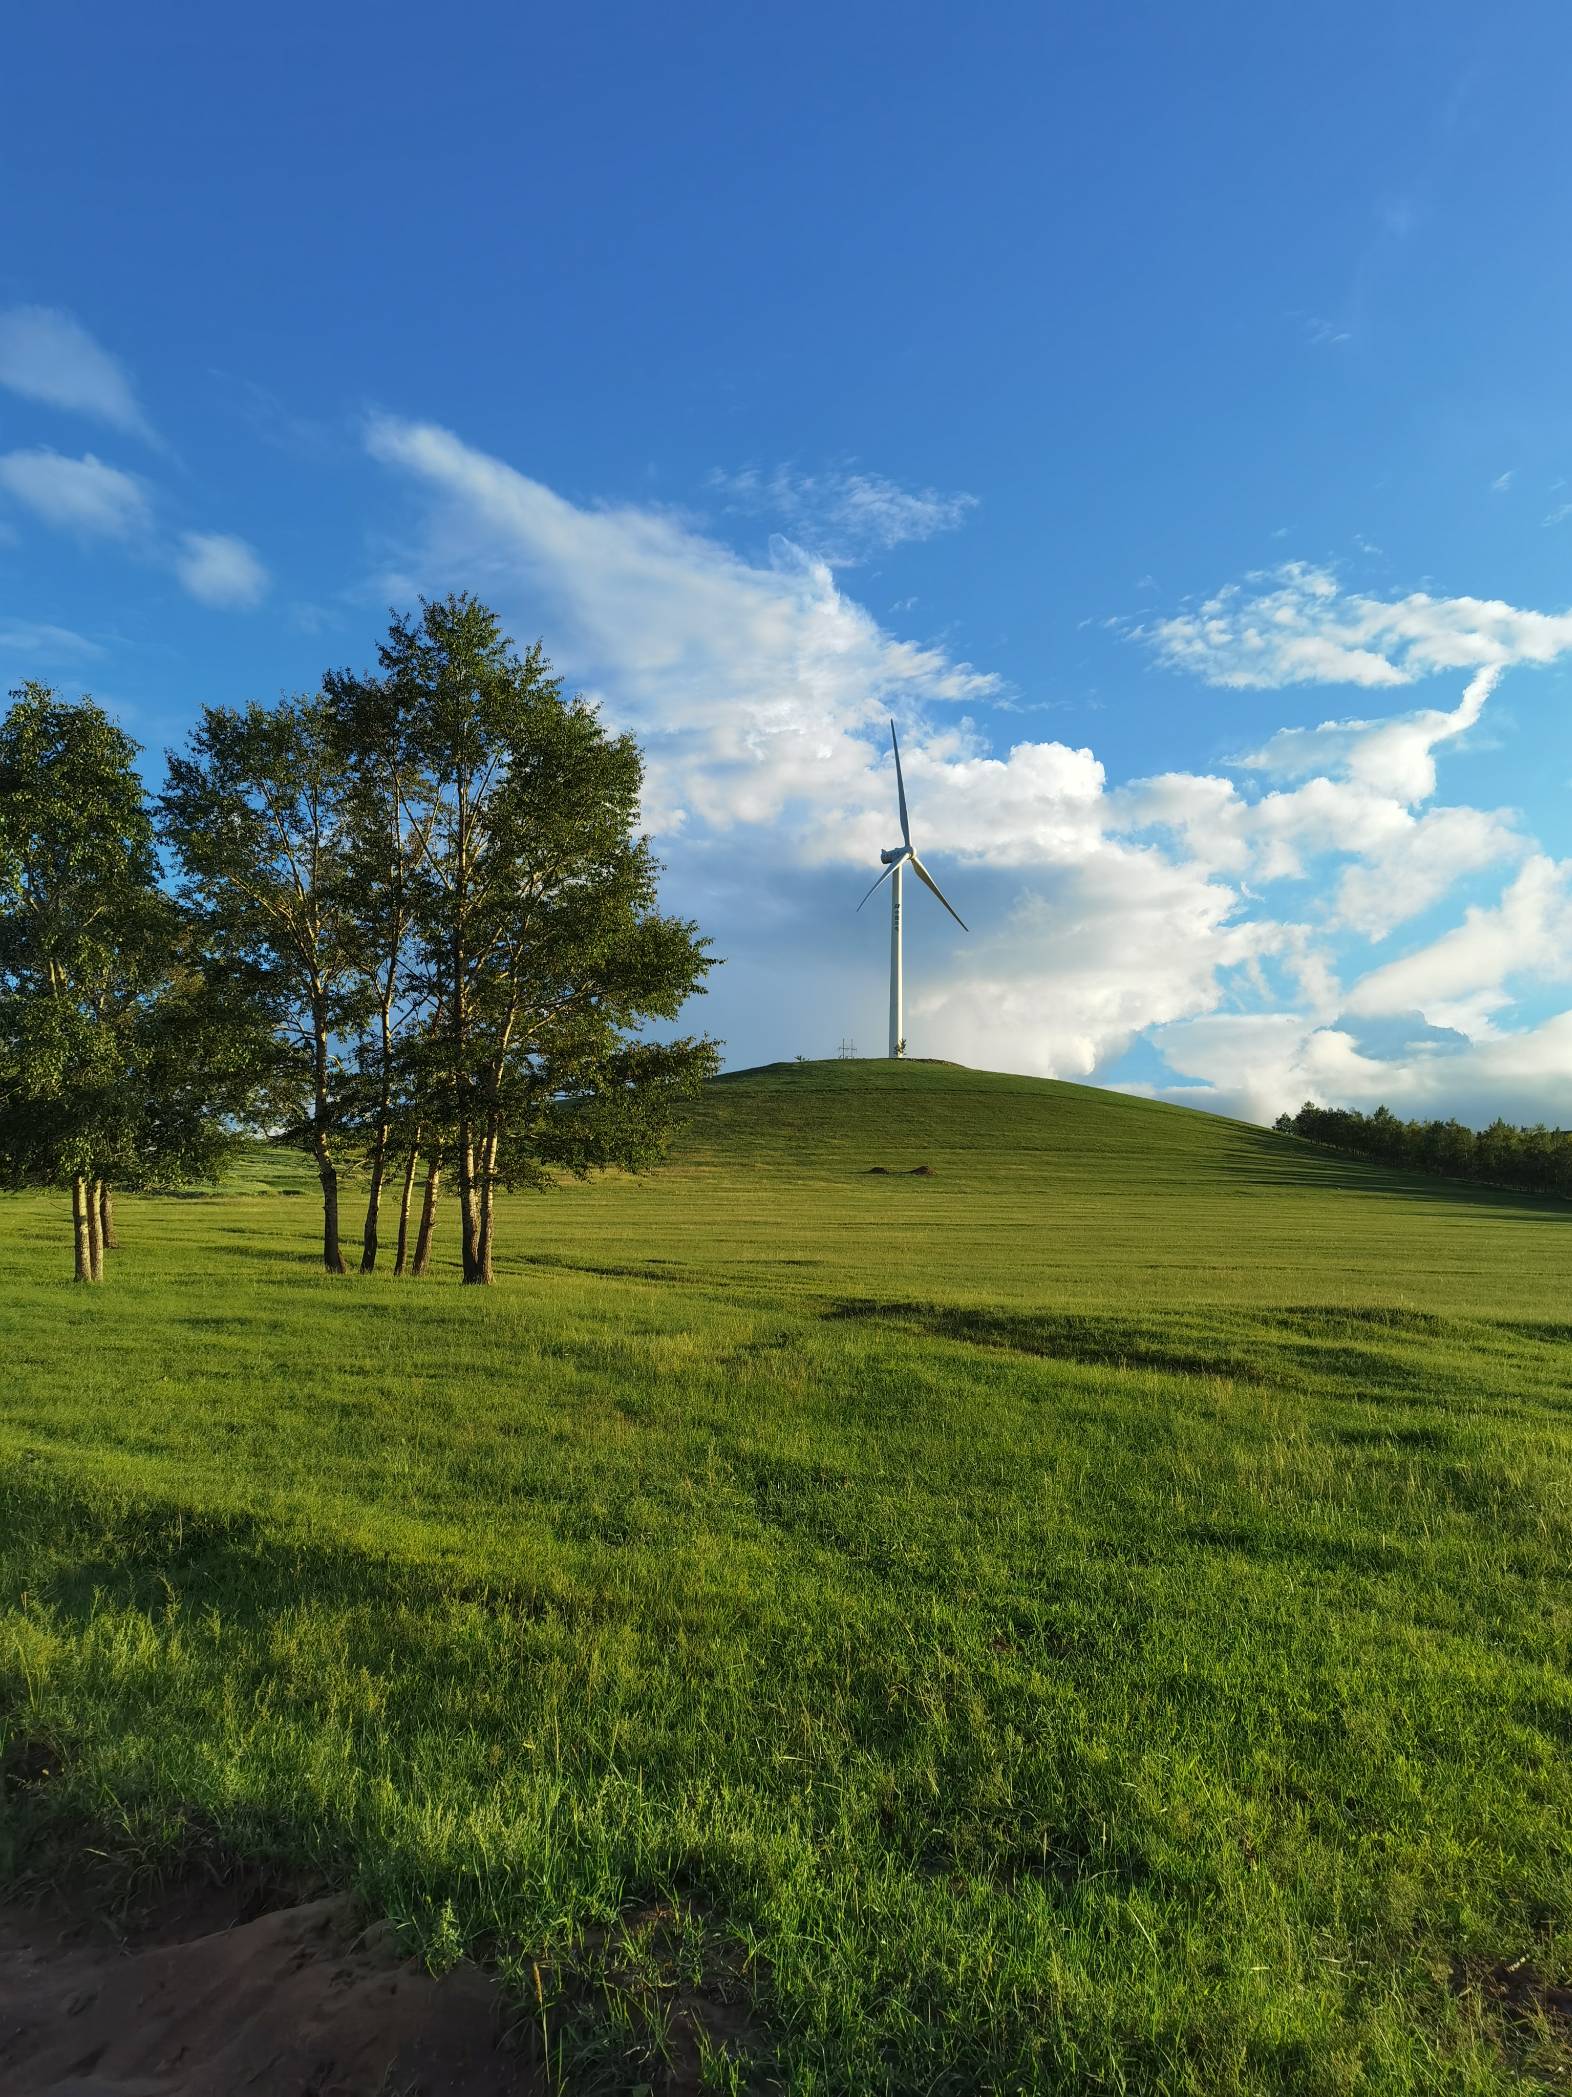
(1537, 1158)
(407, 921)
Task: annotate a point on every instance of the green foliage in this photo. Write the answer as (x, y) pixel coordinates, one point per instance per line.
(253, 809)
(430, 882)
(535, 942)
(107, 1064)
(1095, 1617)
(1537, 1159)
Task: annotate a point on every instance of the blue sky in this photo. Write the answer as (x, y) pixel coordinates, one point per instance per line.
(1162, 412)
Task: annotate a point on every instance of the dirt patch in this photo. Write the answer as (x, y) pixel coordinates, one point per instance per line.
(297, 2002)
(1520, 1988)
(1527, 2015)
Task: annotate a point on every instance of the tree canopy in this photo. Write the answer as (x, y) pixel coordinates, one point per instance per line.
(410, 918)
(105, 1074)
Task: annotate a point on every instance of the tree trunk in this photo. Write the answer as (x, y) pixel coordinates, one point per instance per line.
(327, 1171)
(469, 1206)
(403, 1204)
(84, 1257)
(95, 1234)
(106, 1218)
(332, 1252)
(482, 1275)
(428, 1215)
(368, 1242)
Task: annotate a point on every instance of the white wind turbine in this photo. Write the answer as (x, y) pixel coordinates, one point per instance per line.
(895, 863)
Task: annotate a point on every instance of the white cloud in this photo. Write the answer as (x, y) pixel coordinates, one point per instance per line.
(760, 695)
(843, 514)
(221, 571)
(1296, 626)
(1393, 756)
(31, 637)
(81, 495)
(1262, 1065)
(47, 356)
(1358, 786)
(1088, 958)
(1418, 862)
(1462, 975)
(756, 689)
(92, 500)
(759, 690)
(1502, 482)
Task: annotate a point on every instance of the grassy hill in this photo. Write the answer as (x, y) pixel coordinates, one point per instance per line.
(1092, 1615)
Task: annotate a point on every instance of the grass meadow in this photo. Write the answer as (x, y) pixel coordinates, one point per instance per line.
(1093, 1617)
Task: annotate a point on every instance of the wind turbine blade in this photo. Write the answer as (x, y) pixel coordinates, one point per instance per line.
(900, 788)
(928, 881)
(888, 871)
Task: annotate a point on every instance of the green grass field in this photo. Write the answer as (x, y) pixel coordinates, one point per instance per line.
(1095, 1617)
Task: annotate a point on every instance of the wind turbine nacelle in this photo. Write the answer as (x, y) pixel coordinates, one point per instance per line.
(900, 852)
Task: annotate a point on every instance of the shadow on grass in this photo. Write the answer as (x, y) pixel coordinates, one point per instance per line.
(1077, 1336)
(1278, 1164)
(1295, 1348)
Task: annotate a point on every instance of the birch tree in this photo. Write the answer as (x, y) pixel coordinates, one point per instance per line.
(108, 1069)
(536, 941)
(255, 808)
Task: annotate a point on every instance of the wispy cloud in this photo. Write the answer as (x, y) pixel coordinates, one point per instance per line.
(1394, 756)
(1502, 482)
(221, 571)
(755, 683)
(36, 638)
(48, 356)
(759, 689)
(1398, 216)
(92, 500)
(1296, 625)
(842, 514)
(78, 495)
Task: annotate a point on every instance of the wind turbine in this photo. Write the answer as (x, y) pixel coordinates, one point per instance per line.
(895, 863)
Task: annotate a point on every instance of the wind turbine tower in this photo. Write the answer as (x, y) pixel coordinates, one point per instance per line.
(895, 863)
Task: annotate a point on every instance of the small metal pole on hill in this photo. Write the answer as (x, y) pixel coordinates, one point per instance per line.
(847, 1050)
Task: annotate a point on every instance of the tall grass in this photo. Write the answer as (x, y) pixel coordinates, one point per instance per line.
(1096, 1617)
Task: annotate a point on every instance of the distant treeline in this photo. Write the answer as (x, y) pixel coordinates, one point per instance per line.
(1537, 1158)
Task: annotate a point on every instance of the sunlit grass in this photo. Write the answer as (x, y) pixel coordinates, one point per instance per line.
(1094, 1617)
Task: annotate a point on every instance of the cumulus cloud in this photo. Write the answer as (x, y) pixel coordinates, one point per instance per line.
(1394, 756)
(79, 495)
(221, 571)
(1258, 1066)
(843, 514)
(47, 356)
(1460, 978)
(1162, 908)
(1357, 798)
(1295, 625)
(1096, 952)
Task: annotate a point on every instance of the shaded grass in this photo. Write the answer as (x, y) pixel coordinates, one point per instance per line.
(1094, 1618)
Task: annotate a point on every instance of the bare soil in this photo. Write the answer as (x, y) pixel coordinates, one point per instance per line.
(202, 1998)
